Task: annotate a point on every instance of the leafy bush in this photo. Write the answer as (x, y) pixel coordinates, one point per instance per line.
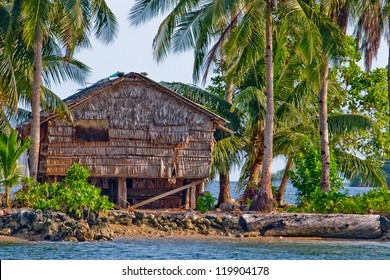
(306, 177)
(205, 202)
(74, 195)
(376, 200)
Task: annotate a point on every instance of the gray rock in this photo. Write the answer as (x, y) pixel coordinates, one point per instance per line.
(71, 239)
(26, 216)
(385, 224)
(83, 232)
(165, 228)
(202, 227)
(216, 225)
(207, 222)
(38, 226)
(140, 215)
(188, 224)
(12, 224)
(6, 231)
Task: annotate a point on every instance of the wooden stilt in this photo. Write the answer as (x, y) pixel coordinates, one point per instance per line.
(122, 192)
(187, 199)
(193, 197)
(202, 187)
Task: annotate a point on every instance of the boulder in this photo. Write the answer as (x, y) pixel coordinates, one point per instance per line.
(6, 231)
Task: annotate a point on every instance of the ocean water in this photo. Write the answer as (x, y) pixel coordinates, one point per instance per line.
(162, 248)
(202, 248)
(290, 195)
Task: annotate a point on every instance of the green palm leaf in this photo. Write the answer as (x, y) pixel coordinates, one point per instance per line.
(349, 123)
(370, 171)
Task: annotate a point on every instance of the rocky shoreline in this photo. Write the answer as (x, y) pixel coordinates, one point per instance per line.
(36, 225)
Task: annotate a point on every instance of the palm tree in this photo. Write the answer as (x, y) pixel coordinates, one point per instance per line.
(373, 22)
(11, 148)
(70, 22)
(16, 64)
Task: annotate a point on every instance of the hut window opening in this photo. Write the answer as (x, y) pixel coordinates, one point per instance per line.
(92, 131)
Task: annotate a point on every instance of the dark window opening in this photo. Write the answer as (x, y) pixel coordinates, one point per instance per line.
(91, 134)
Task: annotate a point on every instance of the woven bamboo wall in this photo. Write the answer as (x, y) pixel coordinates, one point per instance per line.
(150, 134)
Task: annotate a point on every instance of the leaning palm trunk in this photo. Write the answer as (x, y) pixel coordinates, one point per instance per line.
(224, 189)
(264, 200)
(283, 184)
(324, 136)
(35, 107)
(255, 171)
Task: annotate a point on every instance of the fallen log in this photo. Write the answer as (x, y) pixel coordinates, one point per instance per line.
(314, 225)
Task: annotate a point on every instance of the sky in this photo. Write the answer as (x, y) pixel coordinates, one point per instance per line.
(132, 52)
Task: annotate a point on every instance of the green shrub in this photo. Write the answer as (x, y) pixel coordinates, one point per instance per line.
(322, 202)
(205, 202)
(73, 195)
(306, 177)
(376, 200)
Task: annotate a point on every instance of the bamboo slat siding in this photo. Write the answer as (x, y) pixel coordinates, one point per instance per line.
(151, 134)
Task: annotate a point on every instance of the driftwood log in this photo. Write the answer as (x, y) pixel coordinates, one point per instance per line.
(314, 225)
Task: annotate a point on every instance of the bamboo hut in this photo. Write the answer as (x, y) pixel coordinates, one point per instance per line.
(145, 145)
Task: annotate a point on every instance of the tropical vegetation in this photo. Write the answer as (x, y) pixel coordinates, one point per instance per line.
(285, 75)
(74, 195)
(11, 149)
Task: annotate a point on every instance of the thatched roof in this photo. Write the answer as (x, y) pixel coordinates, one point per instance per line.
(101, 85)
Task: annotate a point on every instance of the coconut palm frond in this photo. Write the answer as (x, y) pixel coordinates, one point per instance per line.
(105, 22)
(50, 102)
(226, 153)
(58, 69)
(346, 123)
(370, 171)
(22, 116)
(4, 122)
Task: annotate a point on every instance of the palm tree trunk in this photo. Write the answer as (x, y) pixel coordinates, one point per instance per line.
(35, 107)
(255, 171)
(8, 197)
(229, 92)
(323, 111)
(264, 200)
(224, 189)
(224, 179)
(283, 184)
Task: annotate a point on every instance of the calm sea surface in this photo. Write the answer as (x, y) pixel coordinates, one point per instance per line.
(184, 249)
(192, 248)
(290, 195)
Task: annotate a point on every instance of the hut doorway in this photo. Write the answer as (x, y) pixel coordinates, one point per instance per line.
(109, 187)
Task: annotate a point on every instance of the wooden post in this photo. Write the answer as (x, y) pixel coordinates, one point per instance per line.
(193, 197)
(202, 187)
(122, 192)
(187, 199)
